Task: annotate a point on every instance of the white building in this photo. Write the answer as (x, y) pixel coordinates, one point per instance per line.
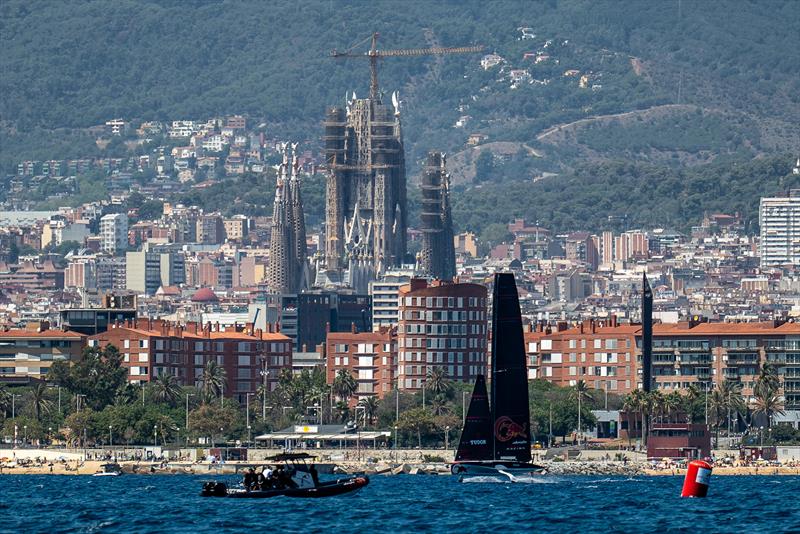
(779, 219)
(384, 293)
(114, 233)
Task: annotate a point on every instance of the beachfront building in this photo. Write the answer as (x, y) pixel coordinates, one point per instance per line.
(151, 348)
(27, 353)
(444, 325)
(370, 357)
(607, 355)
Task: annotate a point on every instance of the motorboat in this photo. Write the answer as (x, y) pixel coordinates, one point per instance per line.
(300, 484)
(109, 470)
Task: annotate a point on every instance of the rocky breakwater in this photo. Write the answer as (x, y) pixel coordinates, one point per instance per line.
(594, 468)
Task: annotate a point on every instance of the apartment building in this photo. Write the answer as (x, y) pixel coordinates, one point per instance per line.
(371, 358)
(443, 325)
(779, 221)
(607, 355)
(250, 357)
(27, 353)
(114, 233)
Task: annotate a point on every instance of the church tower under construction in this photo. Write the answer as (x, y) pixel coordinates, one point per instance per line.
(365, 210)
(437, 258)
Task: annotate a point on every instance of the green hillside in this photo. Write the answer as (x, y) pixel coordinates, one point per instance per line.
(646, 195)
(68, 65)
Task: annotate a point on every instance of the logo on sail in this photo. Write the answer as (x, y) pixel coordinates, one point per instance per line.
(505, 429)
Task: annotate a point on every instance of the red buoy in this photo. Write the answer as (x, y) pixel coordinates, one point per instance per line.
(698, 476)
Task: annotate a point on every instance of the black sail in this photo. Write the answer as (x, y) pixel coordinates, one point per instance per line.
(510, 410)
(647, 335)
(476, 437)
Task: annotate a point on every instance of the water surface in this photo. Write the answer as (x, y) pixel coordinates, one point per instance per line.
(162, 503)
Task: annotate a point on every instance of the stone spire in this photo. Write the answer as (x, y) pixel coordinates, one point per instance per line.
(279, 275)
(298, 226)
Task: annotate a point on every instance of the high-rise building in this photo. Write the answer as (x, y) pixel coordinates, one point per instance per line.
(365, 210)
(385, 294)
(437, 257)
(114, 233)
(210, 229)
(288, 270)
(441, 325)
(779, 220)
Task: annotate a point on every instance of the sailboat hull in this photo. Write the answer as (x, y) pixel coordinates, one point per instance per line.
(495, 467)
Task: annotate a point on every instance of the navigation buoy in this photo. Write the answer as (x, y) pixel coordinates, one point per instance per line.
(698, 476)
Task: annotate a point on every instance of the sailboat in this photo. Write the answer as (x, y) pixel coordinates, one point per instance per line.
(497, 432)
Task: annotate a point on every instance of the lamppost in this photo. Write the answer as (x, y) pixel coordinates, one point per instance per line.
(446, 437)
(395, 443)
(761, 437)
(16, 434)
(110, 438)
(247, 414)
(263, 373)
(155, 437)
(14, 405)
(50, 434)
(25, 439)
(187, 413)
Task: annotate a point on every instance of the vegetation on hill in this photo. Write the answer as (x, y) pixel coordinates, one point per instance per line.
(643, 194)
(78, 64)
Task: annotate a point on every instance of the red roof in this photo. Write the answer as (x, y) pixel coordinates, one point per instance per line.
(205, 294)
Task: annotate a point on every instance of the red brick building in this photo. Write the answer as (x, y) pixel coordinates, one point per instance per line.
(604, 356)
(608, 355)
(443, 324)
(371, 357)
(151, 348)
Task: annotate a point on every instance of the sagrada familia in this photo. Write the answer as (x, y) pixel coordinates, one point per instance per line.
(366, 216)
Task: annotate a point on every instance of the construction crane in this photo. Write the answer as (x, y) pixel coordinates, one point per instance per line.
(374, 54)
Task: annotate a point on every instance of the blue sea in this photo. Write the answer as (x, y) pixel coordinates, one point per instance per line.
(403, 503)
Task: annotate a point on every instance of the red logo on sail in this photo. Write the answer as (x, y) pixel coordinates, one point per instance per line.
(505, 429)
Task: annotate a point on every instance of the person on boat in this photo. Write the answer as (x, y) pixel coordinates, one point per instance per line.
(261, 481)
(314, 475)
(285, 478)
(249, 479)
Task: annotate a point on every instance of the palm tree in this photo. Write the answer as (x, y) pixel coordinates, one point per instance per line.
(213, 380)
(41, 404)
(370, 405)
(630, 404)
(439, 405)
(718, 405)
(655, 404)
(167, 389)
(127, 394)
(580, 392)
(640, 400)
(734, 402)
(768, 382)
(672, 404)
(344, 385)
(769, 405)
(436, 381)
(5, 399)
